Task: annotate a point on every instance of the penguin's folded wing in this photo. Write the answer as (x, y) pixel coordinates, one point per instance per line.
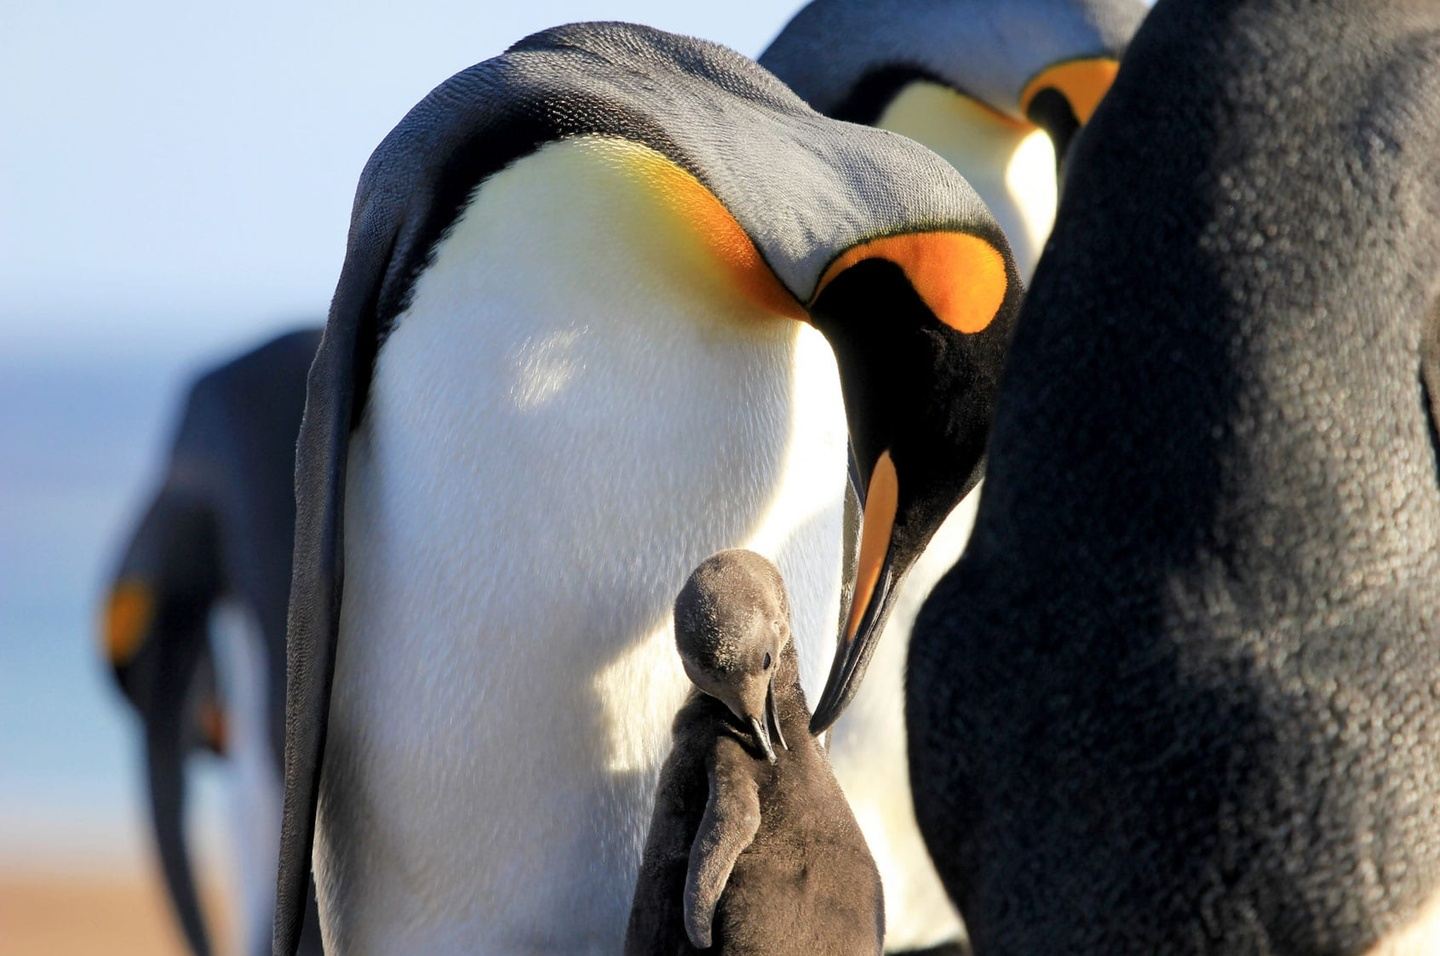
(732, 817)
(338, 381)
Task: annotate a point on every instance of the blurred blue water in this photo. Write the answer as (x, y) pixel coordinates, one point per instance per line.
(80, 439)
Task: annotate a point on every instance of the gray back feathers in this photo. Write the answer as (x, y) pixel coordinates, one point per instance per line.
(801, 185)
(1191, 655)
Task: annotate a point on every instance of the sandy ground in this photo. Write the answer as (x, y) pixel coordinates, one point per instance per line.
(68, 914)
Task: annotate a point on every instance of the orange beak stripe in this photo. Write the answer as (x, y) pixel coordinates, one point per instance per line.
(1083, 83)
(881, 501)
(127, 618)
(960, 277)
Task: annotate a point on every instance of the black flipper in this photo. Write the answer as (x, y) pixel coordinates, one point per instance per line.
(334, 394)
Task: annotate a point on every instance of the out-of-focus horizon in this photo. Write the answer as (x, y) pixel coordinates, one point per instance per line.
(175, 186)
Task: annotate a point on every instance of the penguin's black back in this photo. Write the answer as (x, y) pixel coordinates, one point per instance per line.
(805, 885)
(1182, 694)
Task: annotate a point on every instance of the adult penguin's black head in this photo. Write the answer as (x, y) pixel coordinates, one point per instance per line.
(919, 392)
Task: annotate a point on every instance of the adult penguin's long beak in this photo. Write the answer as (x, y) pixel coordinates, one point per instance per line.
(875, 591)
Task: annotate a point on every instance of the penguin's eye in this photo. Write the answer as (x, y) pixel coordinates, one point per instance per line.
(765, 664)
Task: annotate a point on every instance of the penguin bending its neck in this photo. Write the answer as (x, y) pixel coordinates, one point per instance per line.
(1180, 695)
(752, 847)
(219, 530)
(613, 301)
(998, 89)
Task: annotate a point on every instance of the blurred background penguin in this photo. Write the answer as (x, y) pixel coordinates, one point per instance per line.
(218, 529)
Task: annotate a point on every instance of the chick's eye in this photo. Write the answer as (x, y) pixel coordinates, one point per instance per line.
(765, 664)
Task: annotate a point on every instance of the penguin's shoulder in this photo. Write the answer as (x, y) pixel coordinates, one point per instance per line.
(696, 734)
(703, 741)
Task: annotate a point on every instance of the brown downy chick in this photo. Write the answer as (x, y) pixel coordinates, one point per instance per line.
(752, 847)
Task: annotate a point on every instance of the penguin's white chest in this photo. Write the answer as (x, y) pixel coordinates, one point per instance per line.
(556, 434)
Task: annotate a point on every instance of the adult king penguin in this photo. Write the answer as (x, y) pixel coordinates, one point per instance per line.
(1182, 694)
(998, 88)
(218, 531)
(587, 333)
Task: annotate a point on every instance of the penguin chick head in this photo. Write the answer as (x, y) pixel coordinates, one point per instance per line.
(732, 621)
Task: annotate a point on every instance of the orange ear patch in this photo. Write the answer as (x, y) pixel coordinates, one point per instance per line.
(1083, 83)
(127, 619)
(882, 499)
(718, 231)
(959, 276)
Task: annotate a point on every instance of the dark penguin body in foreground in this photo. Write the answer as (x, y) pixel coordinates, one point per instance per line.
(1182, 694)
(802, 880)
(220, 527)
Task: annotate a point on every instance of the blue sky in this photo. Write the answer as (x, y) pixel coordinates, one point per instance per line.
(177, 176)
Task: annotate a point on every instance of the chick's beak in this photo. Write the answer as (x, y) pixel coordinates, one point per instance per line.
(773, 714)
(762, 737)
(763, 718)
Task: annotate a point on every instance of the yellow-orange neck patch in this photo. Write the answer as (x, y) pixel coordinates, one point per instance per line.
(960, 277)
(127, 619)
(715, 227)
(882, 499)
(1083, 83)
